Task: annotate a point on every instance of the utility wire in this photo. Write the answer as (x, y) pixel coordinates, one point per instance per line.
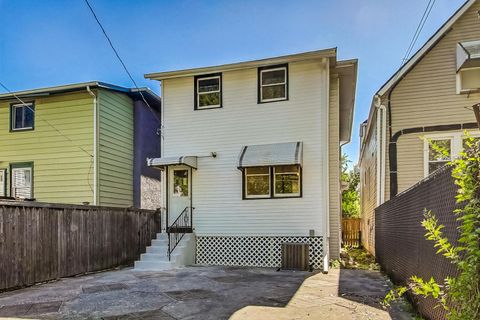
(120, 59)
(420, 26)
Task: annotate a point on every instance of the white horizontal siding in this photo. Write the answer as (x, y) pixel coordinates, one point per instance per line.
(217, 193)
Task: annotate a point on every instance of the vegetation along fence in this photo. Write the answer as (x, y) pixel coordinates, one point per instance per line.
(40, 242)
(400, 244)
(351, 232)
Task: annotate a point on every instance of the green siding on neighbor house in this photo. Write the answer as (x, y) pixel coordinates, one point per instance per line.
(62, 171)
(115, 149)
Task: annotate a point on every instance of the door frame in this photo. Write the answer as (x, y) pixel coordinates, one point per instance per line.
(169, 188)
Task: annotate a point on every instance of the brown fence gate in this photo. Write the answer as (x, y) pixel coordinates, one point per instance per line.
(351, 232)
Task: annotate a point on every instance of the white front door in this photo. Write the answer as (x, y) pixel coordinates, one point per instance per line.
(179, 191)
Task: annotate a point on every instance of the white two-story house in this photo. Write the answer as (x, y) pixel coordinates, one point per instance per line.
(251, 156)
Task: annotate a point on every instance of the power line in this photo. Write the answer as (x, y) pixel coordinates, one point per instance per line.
(420, 26)
(120, 59)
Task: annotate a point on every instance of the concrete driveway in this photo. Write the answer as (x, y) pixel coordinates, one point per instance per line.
(192, 293)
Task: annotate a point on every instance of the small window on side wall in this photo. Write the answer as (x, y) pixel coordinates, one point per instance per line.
(22, 180)
(22, 117)
(3, 182)
(273, 84)
(439, 153)
(208, 91)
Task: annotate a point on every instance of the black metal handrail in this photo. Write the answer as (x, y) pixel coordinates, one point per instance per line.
(176, 231)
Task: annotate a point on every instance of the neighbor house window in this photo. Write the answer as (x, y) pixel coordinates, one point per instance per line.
(22, 116)
(22, 180)
(208, 91)
(272, 182)
(273, 83)
(286, 181)
(3, 182)
(439, 153)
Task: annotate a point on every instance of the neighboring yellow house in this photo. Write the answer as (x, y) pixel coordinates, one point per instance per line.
(74, 144)
(428, 98)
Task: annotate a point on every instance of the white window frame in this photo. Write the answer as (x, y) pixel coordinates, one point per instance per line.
(273, 84)
(461, 90)
(263, 196)
(14, 112)
(3, 182)
(287, 195)
(13, 182)
(211, 106)
(456, 144)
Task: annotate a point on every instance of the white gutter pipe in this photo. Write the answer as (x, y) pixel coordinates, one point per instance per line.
(95, 173)
(381, 152)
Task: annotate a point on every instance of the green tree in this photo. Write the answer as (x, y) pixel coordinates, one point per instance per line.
(350, 196)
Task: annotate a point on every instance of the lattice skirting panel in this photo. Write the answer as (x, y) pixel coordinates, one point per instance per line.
(253, 251)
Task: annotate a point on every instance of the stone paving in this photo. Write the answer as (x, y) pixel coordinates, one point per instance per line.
(201, 293)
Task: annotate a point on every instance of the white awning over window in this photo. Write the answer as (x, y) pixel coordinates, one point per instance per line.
(276, 154)
(190, 161)
(468, 54)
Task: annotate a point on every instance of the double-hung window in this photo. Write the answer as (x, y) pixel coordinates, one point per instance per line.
(208, 91)
(22, 180)
(273, 83)
(22, 116)
(439, 153)
(272, 182)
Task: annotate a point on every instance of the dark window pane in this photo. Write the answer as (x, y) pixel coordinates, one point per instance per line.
(258, 185)
(468, 142)
(258, 170)
(432, 166)
(29, 116)
(209, 99)
(287, 169)
(439, 150)
(18, 117)
(287, 184)
(273, 77)
(209, 85)
(273, 92)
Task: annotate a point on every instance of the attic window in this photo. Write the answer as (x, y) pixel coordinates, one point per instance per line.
(468, 66)
(208, 91)
(273, 83)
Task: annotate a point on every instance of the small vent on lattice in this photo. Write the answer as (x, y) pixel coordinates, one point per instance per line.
(295, 256)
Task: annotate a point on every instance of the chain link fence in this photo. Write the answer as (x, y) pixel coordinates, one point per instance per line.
(400, 244)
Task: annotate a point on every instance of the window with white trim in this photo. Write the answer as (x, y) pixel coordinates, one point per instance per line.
(208, 90)
(22, 182)
(22, 116)
(273, 83)
(439, 149)
(3, 182)
(439, 153)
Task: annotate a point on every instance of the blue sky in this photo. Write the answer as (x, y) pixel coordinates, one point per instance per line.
(45, 43)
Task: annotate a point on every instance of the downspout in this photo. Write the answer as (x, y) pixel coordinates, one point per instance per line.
(381, 132)
(95, 141)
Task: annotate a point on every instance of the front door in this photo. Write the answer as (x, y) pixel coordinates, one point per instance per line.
(180, 191)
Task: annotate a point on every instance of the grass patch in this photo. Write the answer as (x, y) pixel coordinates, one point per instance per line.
(357, 258)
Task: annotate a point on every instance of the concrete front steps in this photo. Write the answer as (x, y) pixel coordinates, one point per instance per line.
(156, 258)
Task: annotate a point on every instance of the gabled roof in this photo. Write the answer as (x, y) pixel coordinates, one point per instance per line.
(134, 93)
(405, 68)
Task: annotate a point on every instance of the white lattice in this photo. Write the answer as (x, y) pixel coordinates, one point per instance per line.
(253, 251)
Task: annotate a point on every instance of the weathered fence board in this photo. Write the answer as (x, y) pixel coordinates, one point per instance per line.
(351, 232)
(400, 245)
(40, 242)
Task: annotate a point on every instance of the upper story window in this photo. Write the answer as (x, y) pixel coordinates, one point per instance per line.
(22, 116)
(468, 66)
(208, 91)
(273, 83)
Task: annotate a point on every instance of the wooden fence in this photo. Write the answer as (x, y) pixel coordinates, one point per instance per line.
(40, 242)
(351, 232)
